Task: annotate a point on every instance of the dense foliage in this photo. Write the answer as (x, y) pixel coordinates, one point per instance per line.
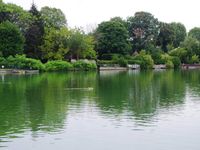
(11, 39)
(112, 37)
(49, 44)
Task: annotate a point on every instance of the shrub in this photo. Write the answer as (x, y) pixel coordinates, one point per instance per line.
(181, 53)
(177, 62)
(109, 62)
(2, 61)
(82, 65)
(58, 65)
(122, 62)
(146, 61)
(156, 54)
(169, 64)
(134, 61)
(28, 63)
(21, 62)
(165, 58)
(195, 59)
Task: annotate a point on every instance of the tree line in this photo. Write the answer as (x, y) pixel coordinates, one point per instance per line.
(44, 35)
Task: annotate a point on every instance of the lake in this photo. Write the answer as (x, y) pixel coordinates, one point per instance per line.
(101, 111)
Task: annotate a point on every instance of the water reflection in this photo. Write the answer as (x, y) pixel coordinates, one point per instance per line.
(42, 102)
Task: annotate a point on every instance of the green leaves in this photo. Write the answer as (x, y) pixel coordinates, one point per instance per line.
(81, 45)
(195, 33)
(112, 37)
(53, 17)
(11, 39)
(179, 33)
(143, 30)
(56, 43)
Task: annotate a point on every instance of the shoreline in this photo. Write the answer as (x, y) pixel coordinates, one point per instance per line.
(18, 71)
(104, 68)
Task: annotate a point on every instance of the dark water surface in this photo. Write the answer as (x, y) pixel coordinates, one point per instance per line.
(101, 111)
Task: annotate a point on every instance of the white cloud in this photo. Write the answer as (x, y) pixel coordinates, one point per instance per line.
(84, 12)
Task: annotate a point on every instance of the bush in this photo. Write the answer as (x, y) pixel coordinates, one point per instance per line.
(165, 58)
(177, 62)
(116, 59)
(2, 61)
(169, 64)
(109, 62)
(156, 54)
(82, 65)
(122, 62)
(181, 53)
(21, 62)
(58, 65)
(195, 59)
(134, 61)
(145, 60)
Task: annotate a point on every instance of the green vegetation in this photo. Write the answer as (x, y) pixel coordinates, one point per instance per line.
(43, 37)
(11, 39)
(112, 37)
(58, 65)
(21, 62)
(82, 65)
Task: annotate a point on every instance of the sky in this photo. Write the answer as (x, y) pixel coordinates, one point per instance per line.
(89, 13)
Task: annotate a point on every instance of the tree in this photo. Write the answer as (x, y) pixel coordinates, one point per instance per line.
(192, 47)
(179, 33)
(11, 39)
(53, 17)
(34, 35)
(81, 45)
(181, 53)
(16, 15)
(166, 36)
(120, 20)
(56, 43)
(143, 29)
(112, 37)
(195, 33)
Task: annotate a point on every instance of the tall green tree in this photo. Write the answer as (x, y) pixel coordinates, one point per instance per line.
(34, 35)
(16, 15)
(166, 36)
(81, 45)
(192, 47)
(56, 43)
(195, 33)
(143, 30)
(112, 37)
(120, 20)
(179, 32)
(53, 17)
(11, 39)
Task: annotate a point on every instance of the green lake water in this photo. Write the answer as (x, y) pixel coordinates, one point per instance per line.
(156, 110)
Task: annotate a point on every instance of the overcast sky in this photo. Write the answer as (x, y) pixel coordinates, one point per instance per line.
(86, 12)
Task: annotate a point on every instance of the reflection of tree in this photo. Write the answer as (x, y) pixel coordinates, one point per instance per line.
(140, 93)
(42, 102)
(192, 79)
(172, 88)
(13, 117)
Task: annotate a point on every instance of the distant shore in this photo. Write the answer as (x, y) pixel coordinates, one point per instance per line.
(104, 68)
